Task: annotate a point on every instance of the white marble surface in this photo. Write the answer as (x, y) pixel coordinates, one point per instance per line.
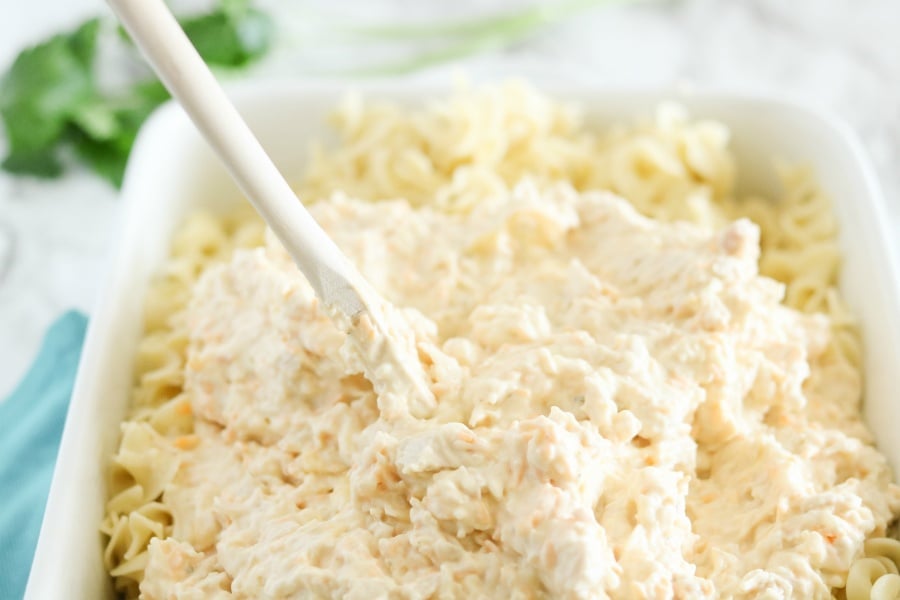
(842, 54)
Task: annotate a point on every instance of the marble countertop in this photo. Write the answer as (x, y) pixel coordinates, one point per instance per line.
(842, 55)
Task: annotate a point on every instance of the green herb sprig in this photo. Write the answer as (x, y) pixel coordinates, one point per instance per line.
(50, 102)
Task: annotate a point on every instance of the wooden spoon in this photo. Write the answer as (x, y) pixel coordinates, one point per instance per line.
(380, 336)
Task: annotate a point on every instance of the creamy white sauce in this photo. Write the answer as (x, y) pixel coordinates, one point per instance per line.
(616, 408)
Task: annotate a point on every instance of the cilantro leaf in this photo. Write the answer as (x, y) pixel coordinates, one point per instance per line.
(107, 158)
(97, 119)
(230, 37)
(40, 163)
(83, 43)
(105, 143)
(49, 100)
(44, 87)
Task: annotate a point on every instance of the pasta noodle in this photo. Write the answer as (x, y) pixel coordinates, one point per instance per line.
(875, 577)
(148, 457)
(476, 145)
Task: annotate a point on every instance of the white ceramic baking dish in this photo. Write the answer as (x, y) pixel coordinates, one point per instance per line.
(172, 173)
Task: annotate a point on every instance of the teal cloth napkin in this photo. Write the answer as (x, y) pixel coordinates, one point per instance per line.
(31, 423)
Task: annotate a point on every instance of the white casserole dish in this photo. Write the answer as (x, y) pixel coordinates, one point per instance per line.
(172, 173)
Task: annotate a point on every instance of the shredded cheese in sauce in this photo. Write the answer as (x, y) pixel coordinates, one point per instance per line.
(618, 407)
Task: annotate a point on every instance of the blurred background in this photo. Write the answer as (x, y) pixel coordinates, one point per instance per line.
(842, 55)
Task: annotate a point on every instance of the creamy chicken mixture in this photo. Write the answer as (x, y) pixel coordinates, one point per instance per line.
(618, 408)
